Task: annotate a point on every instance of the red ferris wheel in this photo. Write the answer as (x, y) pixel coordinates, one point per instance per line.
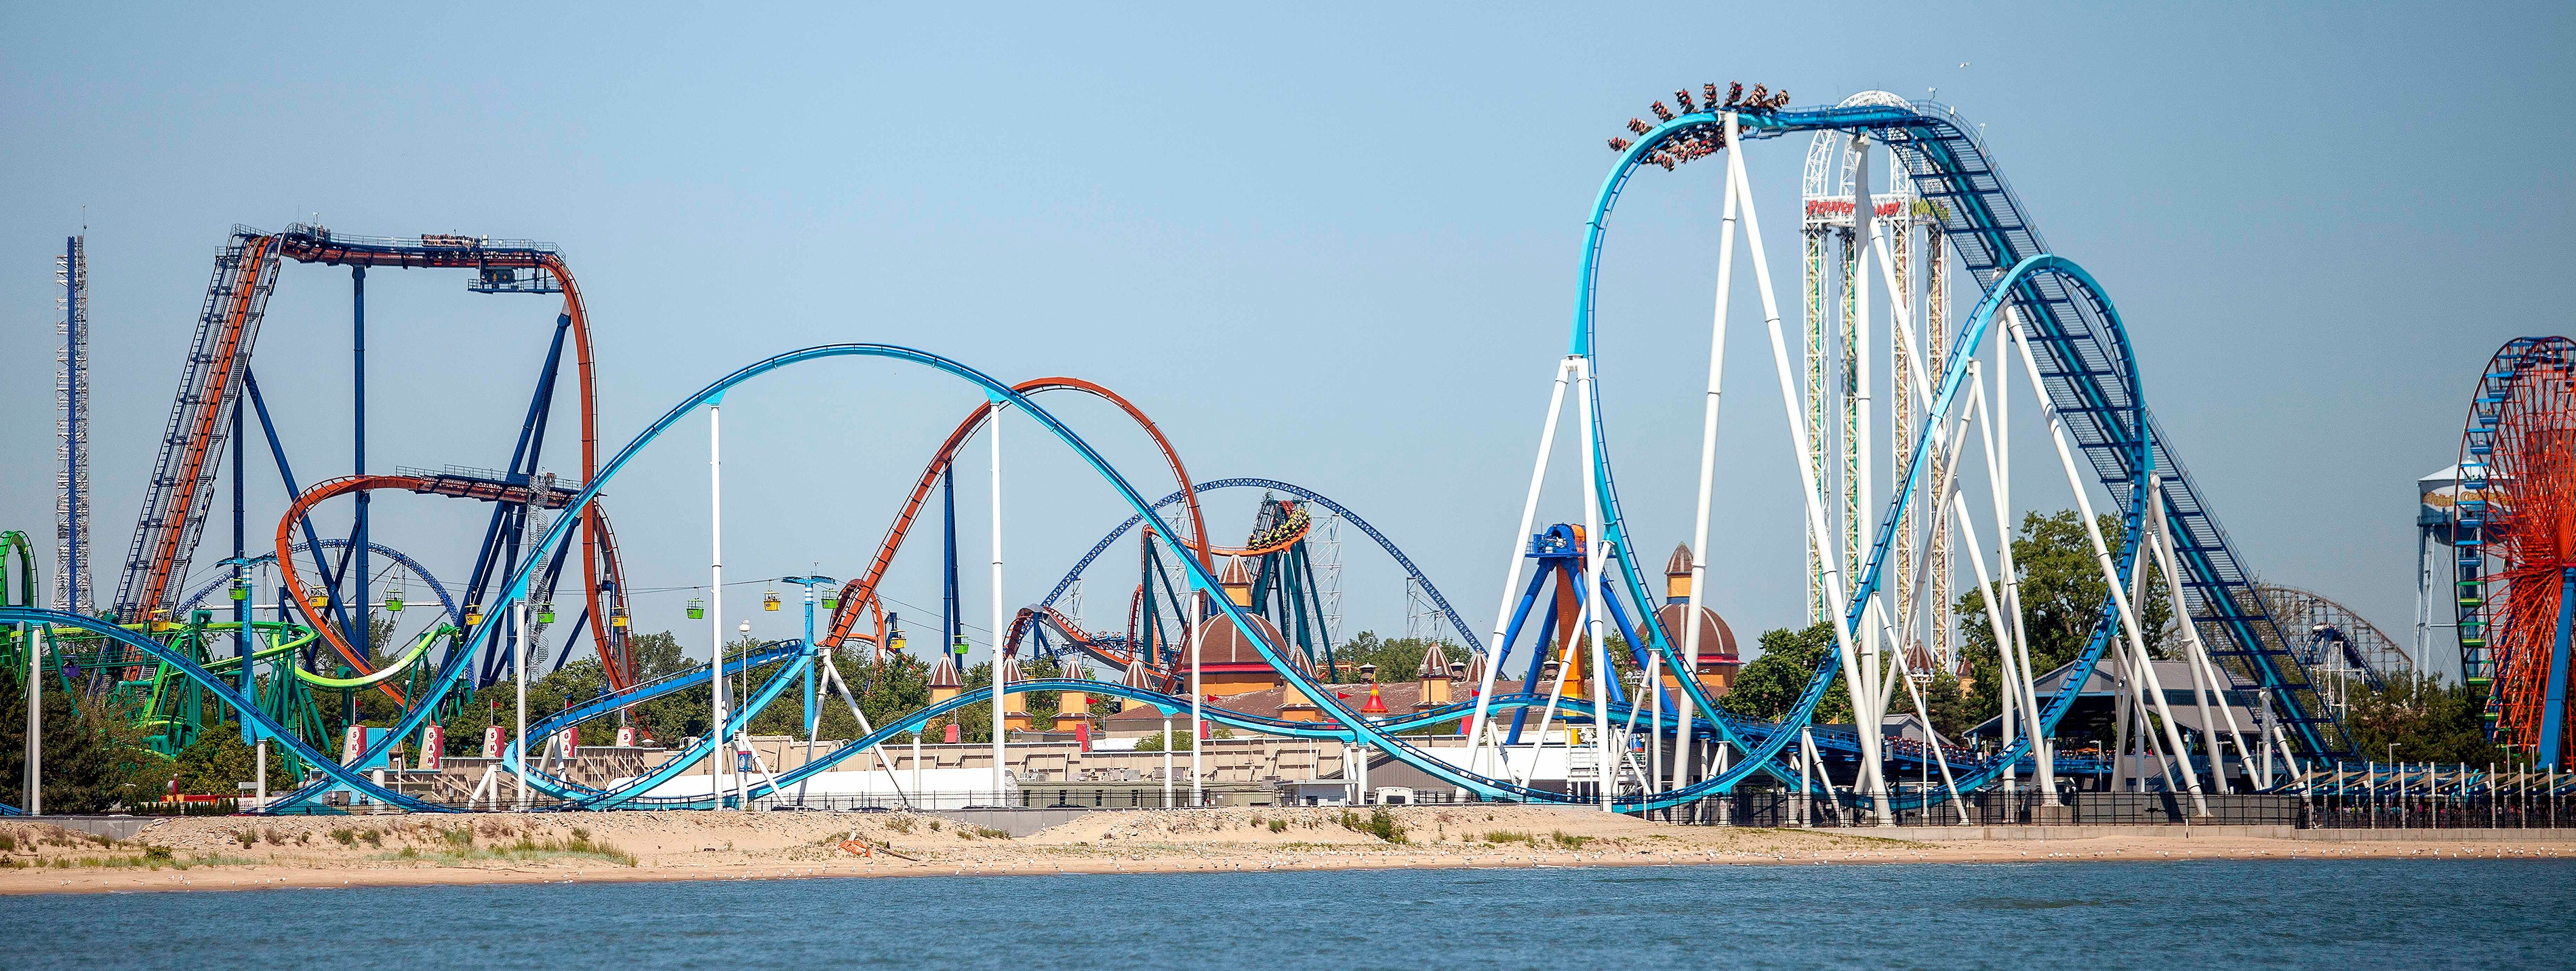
(2518, 560)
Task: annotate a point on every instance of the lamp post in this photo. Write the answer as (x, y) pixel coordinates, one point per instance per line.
(813, 687)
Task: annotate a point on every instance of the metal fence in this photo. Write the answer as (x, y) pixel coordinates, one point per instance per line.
(1787, 809)
(2505, 810)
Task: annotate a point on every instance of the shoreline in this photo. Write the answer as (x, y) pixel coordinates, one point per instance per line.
(254, 853)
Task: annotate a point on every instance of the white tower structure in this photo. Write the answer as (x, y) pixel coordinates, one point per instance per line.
(71, 431)
(1841, 379)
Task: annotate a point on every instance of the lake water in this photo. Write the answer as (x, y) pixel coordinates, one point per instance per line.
(2198, 916)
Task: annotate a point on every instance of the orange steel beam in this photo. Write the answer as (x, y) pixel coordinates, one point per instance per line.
(201, 433)
(305, 249)
(863, 591)
(329, 633)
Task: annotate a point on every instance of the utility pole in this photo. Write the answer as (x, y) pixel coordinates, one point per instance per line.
(718, 747)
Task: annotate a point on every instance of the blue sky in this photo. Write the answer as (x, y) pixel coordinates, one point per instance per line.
(1331, 245)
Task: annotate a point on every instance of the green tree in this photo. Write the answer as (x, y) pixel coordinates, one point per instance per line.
(2062, 597)
(1769, 685)
(217, 763)
(1397, 659)
(2427, 721)
(94, 753)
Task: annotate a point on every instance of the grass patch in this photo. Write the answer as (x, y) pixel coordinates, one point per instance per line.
(900, 824)
(1569, 841)
(989, 833)
(526, 850)
(1279, 826)
(1499, 836)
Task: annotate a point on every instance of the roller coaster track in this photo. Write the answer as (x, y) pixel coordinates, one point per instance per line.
(1466, 635)
(2083, 359)
(861, 593)
(1200, 578)
(611, 663)
(2085, 363)
(446, 601)
(182, 485)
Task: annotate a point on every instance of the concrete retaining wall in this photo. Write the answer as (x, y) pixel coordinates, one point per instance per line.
(1938, 834)
(1017, 822)
(112, 827)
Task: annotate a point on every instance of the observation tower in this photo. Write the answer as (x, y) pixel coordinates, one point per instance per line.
(1905, 234)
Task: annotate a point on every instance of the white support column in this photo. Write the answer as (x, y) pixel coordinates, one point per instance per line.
(1477, 725)
(37, 638)
(1685, 748)
(519, 708)
(718, 748)
(1198, 706)
(993, 437)
(2000, 447)
(1596, 549)
(2102, 558)
(1863, 207)
(1836, 600)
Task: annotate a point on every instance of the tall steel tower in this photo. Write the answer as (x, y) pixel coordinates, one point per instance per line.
(71, 431)
(1840, 385)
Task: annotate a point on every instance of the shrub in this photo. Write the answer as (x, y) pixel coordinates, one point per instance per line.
(1568, 841)
(1279, 826)
(1380, 823)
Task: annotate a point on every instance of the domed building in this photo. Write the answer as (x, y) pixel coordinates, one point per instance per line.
(1229, 663)
(1718, 661)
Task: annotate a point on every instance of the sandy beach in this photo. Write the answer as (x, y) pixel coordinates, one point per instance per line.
(241, 853)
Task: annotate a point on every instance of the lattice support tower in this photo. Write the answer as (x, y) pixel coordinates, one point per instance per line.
(72, 526)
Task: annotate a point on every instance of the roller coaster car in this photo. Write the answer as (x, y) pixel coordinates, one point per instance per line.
(1681, 96)
(1639, 127)
(1620, 144)
(1734, 93)
(1661, 113)
(1761, 96)
(1708, 95)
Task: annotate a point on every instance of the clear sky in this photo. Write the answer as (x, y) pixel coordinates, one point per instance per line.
(1331, 245)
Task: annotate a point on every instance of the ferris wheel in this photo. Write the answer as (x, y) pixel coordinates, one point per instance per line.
(2515, 525)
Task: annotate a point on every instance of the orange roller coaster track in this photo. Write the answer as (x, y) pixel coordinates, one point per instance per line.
(861, 594)
(182, 487)
(618, 675)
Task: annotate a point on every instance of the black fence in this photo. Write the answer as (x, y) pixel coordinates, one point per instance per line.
(1785, 809)
(2477, 810)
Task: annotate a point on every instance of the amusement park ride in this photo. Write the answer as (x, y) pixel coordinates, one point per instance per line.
(1634, 717)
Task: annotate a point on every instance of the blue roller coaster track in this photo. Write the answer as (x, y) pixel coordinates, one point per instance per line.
(2085, 362)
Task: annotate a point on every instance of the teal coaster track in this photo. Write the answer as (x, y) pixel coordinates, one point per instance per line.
(2083, 356)
(2084, 359)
